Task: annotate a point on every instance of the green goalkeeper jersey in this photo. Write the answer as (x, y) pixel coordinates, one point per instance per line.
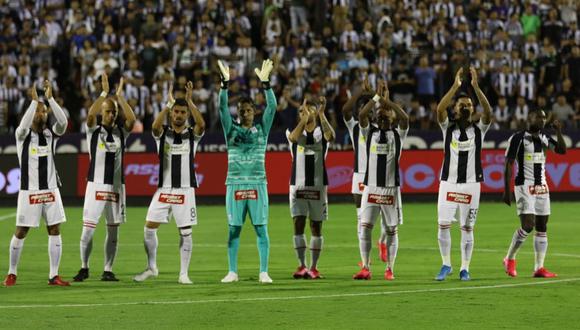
(246, 146)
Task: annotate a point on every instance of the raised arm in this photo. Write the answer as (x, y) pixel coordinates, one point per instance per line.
(127, 111)
(27, 118)
(96, 107)
(61, 121)
(271, 104)
(299, 129)
(446, 100)
(348, 107)
(386, 100)
(199, 127)
(327, 129)
(363, 115)
(486, 116)
(560, 147)
(224, 111)
(157, 126)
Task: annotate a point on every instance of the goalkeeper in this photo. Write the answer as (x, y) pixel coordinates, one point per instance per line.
(246, 181)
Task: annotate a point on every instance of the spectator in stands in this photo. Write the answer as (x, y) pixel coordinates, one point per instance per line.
(563, 111)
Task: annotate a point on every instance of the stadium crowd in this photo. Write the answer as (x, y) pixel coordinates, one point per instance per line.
(527, 54)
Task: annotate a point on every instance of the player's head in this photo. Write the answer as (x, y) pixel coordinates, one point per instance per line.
(385, 117)
(310, 108)
(109, 112)
(41, 115)
(463, 108)
(536, 120)
(179, 113)
(246, 110)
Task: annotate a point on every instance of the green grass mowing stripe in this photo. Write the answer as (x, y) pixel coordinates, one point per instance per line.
(338, 295)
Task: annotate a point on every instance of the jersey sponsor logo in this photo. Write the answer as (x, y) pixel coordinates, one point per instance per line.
(462, 145)
(535, 157)
(172, 199)
(306, 151)
(308, 194)
(362, 140)
(538, 189)
(40, 151)
(458, 198)
(108, 146)
(41, 198)
(381, 148)
(107, 196)
(246, 194)
(381, 199)
(178, 149)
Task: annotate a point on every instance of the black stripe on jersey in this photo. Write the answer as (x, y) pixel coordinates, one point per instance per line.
(42, 164)
(478, 168)
(192, 177)
(355, 137)
(94, 142)
(514, 145)
(309, 162)
(462, 158)
(24, 162)
(382, 162)
(109, 175)
(397, 155)
(176, 164)
(294, 150)
(520, 178)
(448, 137)
(161, 156)
(537, 166)
(122, 136)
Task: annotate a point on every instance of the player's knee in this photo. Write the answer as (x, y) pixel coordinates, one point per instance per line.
(53, 230)
(542, 227)
(467, 229)
(235, 231)
(444, 224)
(184, 232)
(152, 225)
(21, 232)
(366, 230)
(391, 230)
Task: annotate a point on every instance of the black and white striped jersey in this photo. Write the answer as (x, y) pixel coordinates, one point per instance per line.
(308, 159)
(176, 153)
(36, 158)
(106, 149)
(359, 145)
(529, 152)
(383, 148)
(462, 147)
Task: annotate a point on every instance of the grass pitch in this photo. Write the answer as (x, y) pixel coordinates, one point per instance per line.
(413, 300)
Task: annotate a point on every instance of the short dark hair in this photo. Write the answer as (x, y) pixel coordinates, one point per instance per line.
(181, 102)
(247, 99)
(461, 95)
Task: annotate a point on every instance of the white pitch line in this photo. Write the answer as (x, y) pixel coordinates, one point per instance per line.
(340, 295)
(7, 216)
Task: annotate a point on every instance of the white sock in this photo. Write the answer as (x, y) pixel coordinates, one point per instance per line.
(54, 253)
(111, 247)
(466, 247)
(185, 246)
(87, 243)
(300, 247)
(151, 247)
(444, 236)
(392, 246)
(383, 237)
(540, 248)
(358, 222)
(315, 249)
(518, 239)
(16, 245)
(365, 245)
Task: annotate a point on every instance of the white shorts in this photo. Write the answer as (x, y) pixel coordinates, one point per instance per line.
(176, 202)
(532, 199)
(32, 205)
(384, 201)
(358, 184)
(105, 198)
(309, 202)
(462, 197)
